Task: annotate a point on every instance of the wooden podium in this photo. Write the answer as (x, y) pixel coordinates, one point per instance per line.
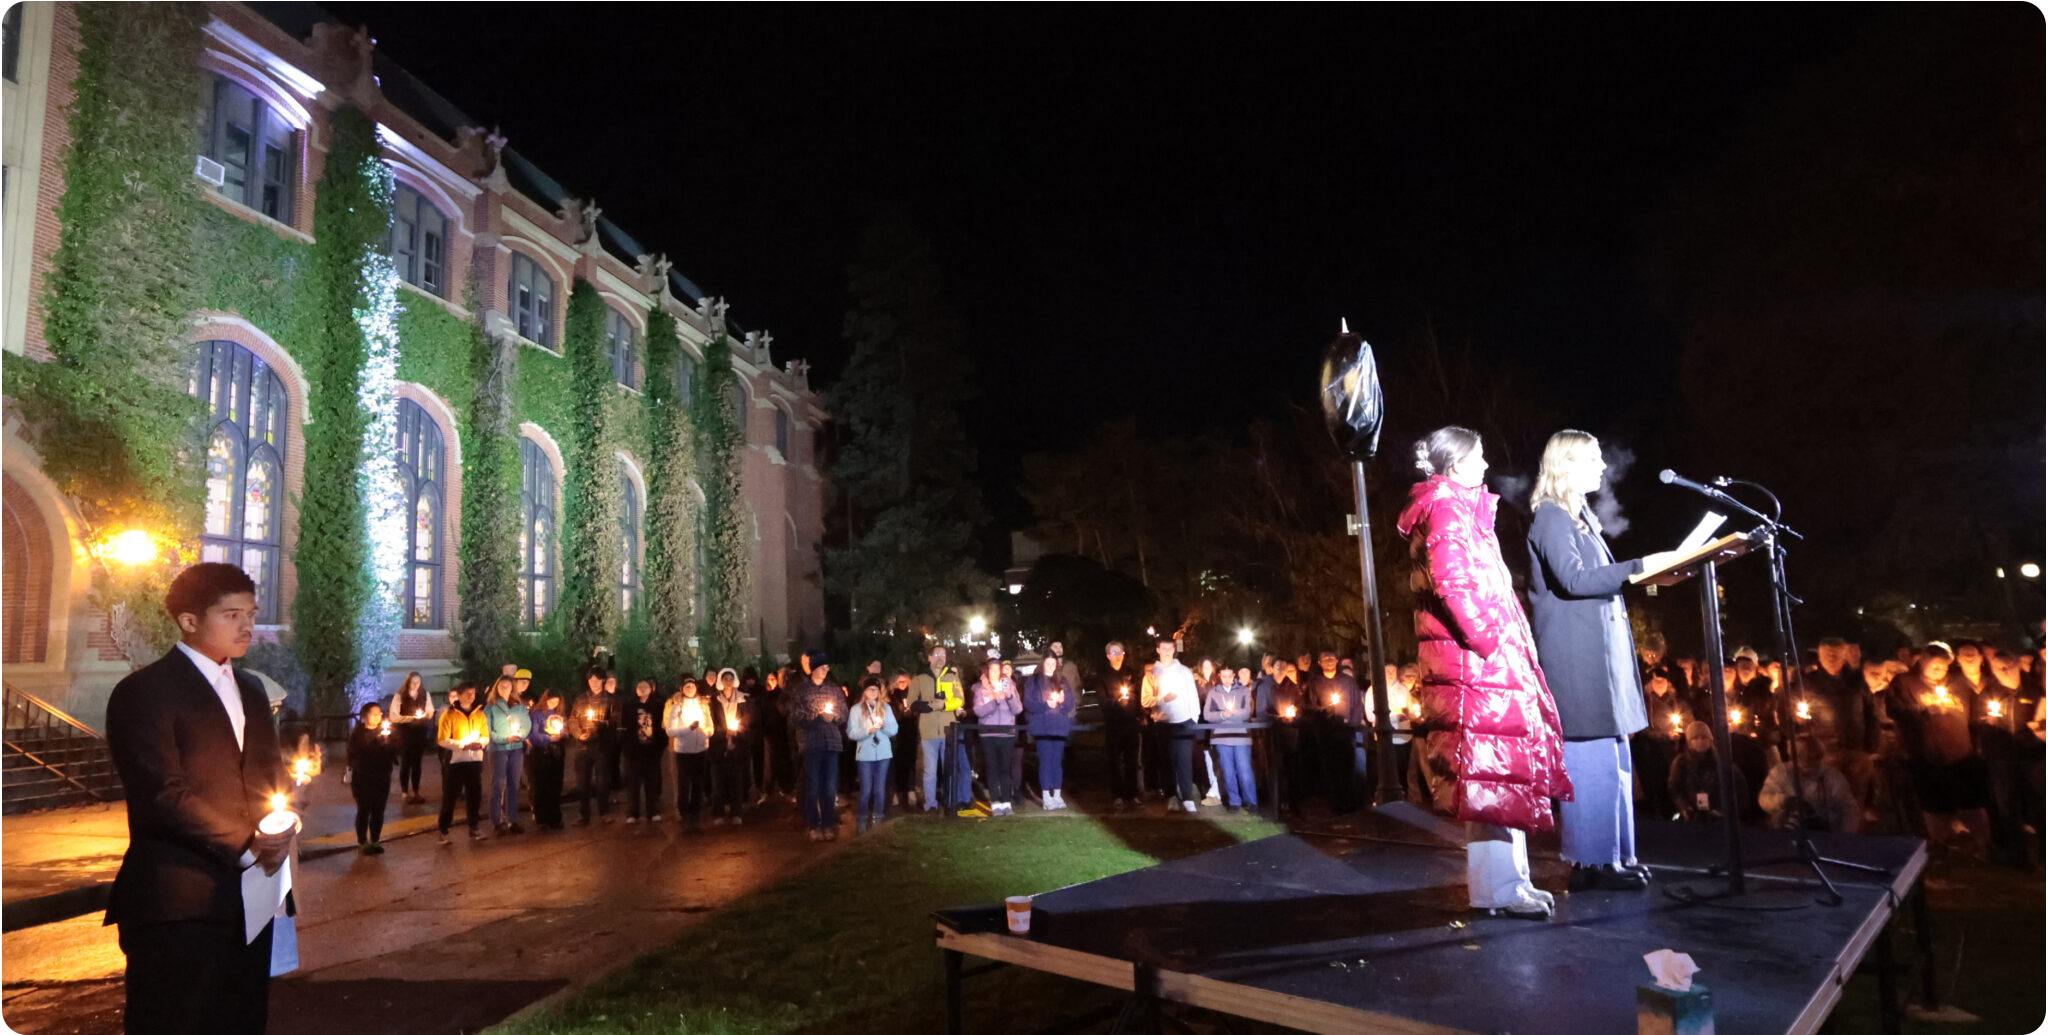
(1720, 551)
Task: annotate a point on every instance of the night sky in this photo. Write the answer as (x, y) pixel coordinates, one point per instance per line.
(1163, 216)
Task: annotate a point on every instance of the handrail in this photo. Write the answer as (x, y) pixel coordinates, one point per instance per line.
(54, 712)
(66, 777)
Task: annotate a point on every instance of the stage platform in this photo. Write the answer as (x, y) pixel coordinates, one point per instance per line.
(1370, 932)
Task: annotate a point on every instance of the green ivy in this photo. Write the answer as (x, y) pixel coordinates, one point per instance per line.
(671, 521)
(109, 411)
(719, 441)
(591, 498)
(335, 580)
(487, 575)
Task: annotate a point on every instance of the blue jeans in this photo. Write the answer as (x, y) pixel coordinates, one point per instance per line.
(932, 750)
(1052, 756)
(820, 803)
(874, 788)
(505, 769)
(1599, 823)
(1239, 786)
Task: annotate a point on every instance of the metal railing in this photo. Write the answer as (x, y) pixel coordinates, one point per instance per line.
(32, 720)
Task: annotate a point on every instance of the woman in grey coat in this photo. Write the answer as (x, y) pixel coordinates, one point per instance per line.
(1589, 659)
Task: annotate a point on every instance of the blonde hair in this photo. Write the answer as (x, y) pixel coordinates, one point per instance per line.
(1554, 479)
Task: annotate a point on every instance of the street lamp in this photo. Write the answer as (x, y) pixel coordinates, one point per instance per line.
(131, 548)
(977, 625)
(2030, 570)
(1244, 637)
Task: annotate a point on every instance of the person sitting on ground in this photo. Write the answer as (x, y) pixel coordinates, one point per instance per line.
(1695, 779)
(871, 726)
(1228, 704)
(371, 755)
(1818, 799)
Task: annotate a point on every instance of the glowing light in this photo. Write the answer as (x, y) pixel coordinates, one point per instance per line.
(1734, 716)
(1995, 708)
(2030, 570)
(1677, 721)
(1244, 636)
(1803, 711)
(977, 625)
(131, 547)
(385, 513)
(280, 802)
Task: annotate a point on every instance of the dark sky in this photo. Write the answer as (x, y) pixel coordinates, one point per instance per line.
(1164, 215)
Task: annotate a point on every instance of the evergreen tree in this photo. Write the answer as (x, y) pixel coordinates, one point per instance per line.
(905, 463)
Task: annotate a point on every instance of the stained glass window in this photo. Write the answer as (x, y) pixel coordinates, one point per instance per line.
(419, 475)
(536, 534)
(245, 462)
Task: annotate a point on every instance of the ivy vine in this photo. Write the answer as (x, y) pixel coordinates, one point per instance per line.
(671, 512)
(719, 440)
(591, 547)
(487, 575)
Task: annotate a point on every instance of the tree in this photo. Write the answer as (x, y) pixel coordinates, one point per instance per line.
(905, 462)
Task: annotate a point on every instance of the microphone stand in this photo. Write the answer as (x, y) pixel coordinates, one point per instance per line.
(1771, 532)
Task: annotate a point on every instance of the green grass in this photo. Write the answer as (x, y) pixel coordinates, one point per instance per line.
(847, 946)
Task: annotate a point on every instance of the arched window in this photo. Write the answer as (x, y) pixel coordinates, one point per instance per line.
(686, 374)
(782, 432)
(420, 459)
(618, 337)
(245, 453)
(419, 241)
(739, 409)
(536, 534)
(629, 543)
(255, 147)
(532, 295)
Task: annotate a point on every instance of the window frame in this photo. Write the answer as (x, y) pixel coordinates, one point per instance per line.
(422, 461)
(268, 188)
(620, 346)
(630, 536)
(536, 504)
(535, 314)
(411, 240)
(258, 425)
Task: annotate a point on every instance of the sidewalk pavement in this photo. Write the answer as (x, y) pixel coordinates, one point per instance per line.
(424, 938)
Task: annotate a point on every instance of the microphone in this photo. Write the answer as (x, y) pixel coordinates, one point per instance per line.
(1671, 477)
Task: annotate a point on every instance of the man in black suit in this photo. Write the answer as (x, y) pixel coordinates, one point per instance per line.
(199, 760)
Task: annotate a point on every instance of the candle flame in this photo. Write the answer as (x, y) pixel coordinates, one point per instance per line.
(280, 802)
(1995, 708)
(302, 771)
(1336, 698)
(1803, 711)
(1287, 712)
(1734, 716)
(1677, 721)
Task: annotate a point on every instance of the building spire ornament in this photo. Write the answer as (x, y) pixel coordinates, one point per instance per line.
(580, 214)
(481, 153)
(712, 312)
(654, 269)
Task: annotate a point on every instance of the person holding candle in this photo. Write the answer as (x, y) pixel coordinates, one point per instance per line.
(1336, 725)
(1494, 752)
(613, 737)
(903, 753)
(818, 713)
(589, 719)
(642, 743)
(936, 698)
(732, 749)
(1932, 707)
(412, 718)
(1049, 701)
(1169, 692)
(198, 755)
(996, 707)
(544, 759)
(1694, 781)
(1589, 658)
(871, 726)
(688, 722)
(510, 722)
(1227, 705)
(1116, 695)
(371, 756)
(1285, 700)
(465, 733)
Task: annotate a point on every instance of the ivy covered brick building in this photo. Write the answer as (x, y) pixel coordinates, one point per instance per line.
(504, 281)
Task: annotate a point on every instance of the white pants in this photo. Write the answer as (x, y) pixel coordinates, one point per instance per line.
(1496, 864)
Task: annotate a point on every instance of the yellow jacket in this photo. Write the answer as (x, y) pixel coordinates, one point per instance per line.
(464, 734)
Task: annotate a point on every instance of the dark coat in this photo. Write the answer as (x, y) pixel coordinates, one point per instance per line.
(1575, 595)
(194, 798)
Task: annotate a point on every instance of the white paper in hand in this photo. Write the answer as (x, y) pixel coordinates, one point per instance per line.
(1702, 533)
(1673, 970)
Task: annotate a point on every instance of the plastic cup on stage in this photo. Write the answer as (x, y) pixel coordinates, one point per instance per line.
(1019, 908)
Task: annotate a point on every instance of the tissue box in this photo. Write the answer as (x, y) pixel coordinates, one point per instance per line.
(1661, 1011)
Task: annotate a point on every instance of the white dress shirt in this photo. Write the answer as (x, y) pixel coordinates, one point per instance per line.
(222, 679)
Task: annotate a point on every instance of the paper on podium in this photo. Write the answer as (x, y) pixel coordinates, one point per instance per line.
(263, 898)
(1702, 533)
(1728, 547)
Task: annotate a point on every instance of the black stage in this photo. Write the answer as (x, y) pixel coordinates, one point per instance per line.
(1370, 932)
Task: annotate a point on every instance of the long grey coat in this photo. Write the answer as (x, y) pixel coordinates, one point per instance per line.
(1582, 635)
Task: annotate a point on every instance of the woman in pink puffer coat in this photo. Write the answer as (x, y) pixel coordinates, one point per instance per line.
(1493, 749)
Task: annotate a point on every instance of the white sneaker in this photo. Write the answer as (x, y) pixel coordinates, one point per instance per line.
(1058, 801)
(1187, 806)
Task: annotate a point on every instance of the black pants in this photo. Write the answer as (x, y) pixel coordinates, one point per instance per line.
(465, 779)
(997, 753)
(693, 779)
(593, 779)
(1122, 745)
(1155, 762)
(544, 777)
(195, 977)
(414, 744)
(1180, 745)
(1341, 767)
(371, 795)
(643, 779)
(731, 776)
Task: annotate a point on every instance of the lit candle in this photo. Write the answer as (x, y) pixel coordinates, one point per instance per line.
(1994, 708)
(302, 771)
(1803, 711)
(1677, 722)
(590, 713)
(828, 708)
(1734, 716)
(384, 730)
(1336, 698)
(1287, 712)
(554, 726)
(1124, 693)
(281, 818)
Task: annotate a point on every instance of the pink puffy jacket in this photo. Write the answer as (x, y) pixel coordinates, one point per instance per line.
(1494, 750)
